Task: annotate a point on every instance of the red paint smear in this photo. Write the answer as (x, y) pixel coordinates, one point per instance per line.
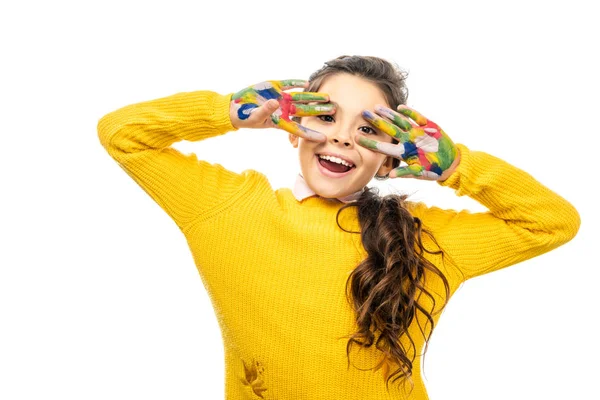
(423, 160)
(437, 134)
(287, 107)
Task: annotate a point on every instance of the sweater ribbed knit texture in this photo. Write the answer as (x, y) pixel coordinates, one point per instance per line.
(276, 268)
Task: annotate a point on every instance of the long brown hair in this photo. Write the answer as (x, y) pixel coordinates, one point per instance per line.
(387, 290)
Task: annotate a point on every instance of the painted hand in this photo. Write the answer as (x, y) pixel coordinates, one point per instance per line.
(251, 107)
(423, 145)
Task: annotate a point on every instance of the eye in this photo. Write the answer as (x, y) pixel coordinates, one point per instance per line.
(326, 118)
(368, 130)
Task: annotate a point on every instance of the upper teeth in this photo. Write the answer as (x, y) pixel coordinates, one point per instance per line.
(336, 160)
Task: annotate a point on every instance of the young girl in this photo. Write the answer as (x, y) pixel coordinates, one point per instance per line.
(327, 290)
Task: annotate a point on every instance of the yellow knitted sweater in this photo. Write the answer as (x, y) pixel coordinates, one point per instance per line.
(276, 268)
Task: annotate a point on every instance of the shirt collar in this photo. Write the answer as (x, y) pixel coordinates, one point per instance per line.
(301, 191)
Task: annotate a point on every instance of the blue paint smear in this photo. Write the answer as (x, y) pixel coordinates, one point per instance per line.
(368, 114)
(436, 168)
(244, 110)
(410, 149)
(269, 94)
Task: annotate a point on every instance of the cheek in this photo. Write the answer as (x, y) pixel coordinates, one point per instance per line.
(373, 161)
(306, 121)
(370, 157)
(306, 148)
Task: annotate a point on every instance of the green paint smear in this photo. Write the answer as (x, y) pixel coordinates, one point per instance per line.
(368, 143)
(241, 93)
(292, 82)
(446, 153)
(398, 121)
(414, 169)
(403, 137)
(314, 109)
(307, 97)
(402, 123)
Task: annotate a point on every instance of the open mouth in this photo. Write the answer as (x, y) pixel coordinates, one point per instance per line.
(333, 169)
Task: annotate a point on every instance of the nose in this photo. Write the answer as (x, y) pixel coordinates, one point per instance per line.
(339, 137)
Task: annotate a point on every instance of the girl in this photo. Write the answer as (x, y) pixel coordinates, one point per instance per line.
(327, 290)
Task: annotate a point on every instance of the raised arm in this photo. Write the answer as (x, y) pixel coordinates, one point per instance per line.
(525, 218)
(139, 137)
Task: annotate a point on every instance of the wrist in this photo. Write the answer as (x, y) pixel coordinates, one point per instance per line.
(231, 111)
(221, 116)
(233, 118)
(446, 174)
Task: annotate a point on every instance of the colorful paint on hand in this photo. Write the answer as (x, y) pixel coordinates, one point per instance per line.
(290, 105)
(423, 145)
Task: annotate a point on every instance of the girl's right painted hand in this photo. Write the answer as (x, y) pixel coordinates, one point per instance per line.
(266, 105)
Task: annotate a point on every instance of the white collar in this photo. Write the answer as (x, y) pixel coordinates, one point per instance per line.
(301, 191)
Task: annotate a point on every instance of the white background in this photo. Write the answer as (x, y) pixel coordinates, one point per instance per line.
(99, 295)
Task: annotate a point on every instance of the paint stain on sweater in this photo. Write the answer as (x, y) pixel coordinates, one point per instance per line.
(253, 377)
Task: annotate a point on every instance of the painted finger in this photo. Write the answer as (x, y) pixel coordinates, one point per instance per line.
(291, 84)
(262, 92)
(309, 96)
(245, 95)
(398, 119)
(390, 149)
(423, 175)
(306, 110)
(297, 129)
(412, 114)
(386, 127)
(413, 170)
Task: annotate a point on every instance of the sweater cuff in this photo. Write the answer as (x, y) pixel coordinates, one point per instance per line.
(221, 119)
(453, 181)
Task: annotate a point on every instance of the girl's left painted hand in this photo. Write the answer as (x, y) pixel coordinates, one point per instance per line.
(423, 145)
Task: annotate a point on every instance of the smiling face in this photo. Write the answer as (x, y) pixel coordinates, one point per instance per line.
(352, 95)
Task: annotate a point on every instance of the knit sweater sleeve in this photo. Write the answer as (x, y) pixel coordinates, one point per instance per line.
(139, 138)
(524, 218)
